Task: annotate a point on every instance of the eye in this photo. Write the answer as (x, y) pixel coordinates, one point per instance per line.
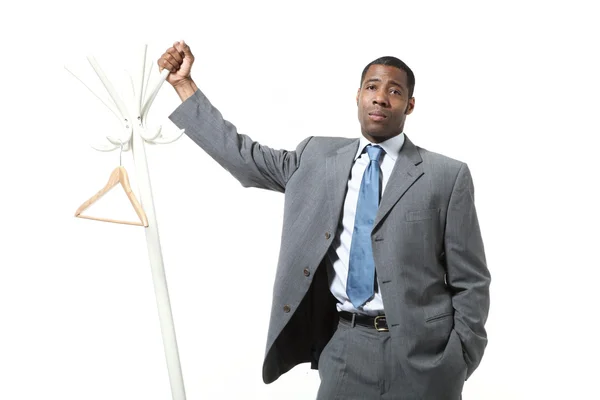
(396, 91)
(370, 87)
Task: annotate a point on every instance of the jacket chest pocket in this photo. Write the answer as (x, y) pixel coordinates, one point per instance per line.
(422, 215)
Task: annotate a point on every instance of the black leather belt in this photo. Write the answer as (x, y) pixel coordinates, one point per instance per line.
(378, 323)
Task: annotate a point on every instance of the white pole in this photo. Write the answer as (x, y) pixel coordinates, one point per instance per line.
(157, 268)
(161, 291)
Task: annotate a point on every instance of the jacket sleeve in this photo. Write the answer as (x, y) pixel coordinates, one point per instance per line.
(251, 163)
(467, 272)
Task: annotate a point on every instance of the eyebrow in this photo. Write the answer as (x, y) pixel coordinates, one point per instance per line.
(379, 80)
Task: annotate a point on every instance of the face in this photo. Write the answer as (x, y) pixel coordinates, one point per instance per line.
(383, 102)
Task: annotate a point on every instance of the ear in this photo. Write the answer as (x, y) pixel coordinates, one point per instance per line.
(410, 106)
(357, 94)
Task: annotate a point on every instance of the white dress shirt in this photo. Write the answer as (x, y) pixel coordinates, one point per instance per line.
(339, 252)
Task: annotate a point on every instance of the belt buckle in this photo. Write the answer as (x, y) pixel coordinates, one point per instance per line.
(376, 323)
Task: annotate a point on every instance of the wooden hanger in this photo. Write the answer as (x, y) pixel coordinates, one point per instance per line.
(119, 175)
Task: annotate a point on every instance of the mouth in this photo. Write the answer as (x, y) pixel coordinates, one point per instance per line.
(377, 116)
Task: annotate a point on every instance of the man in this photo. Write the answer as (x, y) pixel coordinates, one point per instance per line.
(382, 282)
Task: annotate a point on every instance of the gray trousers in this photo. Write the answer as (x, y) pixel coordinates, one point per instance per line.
(357, 364)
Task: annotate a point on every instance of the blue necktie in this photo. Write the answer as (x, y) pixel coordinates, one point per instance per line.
(361, 271)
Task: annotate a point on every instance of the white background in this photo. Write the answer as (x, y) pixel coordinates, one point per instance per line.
(509, 87)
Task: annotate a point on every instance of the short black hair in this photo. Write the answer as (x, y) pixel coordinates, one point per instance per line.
(394, 62)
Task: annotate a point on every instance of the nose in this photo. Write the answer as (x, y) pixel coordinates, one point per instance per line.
(381, 98)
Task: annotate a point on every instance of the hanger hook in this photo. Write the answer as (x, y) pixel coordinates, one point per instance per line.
(120, 153)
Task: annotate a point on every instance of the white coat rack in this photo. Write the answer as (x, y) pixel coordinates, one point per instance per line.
(133, 136)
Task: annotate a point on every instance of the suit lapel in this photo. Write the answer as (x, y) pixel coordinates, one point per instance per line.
(406, 171)
(338, 166)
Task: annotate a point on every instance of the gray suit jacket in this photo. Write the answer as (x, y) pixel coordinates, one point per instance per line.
(428, 251)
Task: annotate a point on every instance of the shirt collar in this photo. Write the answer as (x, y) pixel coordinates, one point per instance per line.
(392, 146)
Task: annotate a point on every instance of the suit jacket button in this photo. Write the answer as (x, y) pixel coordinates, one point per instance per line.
(286, 309)
(327, 235)
(306, 272)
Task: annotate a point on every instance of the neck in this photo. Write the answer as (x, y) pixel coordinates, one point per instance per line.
(379, 139)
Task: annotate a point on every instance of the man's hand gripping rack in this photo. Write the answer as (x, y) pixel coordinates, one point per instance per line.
(134, 134)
